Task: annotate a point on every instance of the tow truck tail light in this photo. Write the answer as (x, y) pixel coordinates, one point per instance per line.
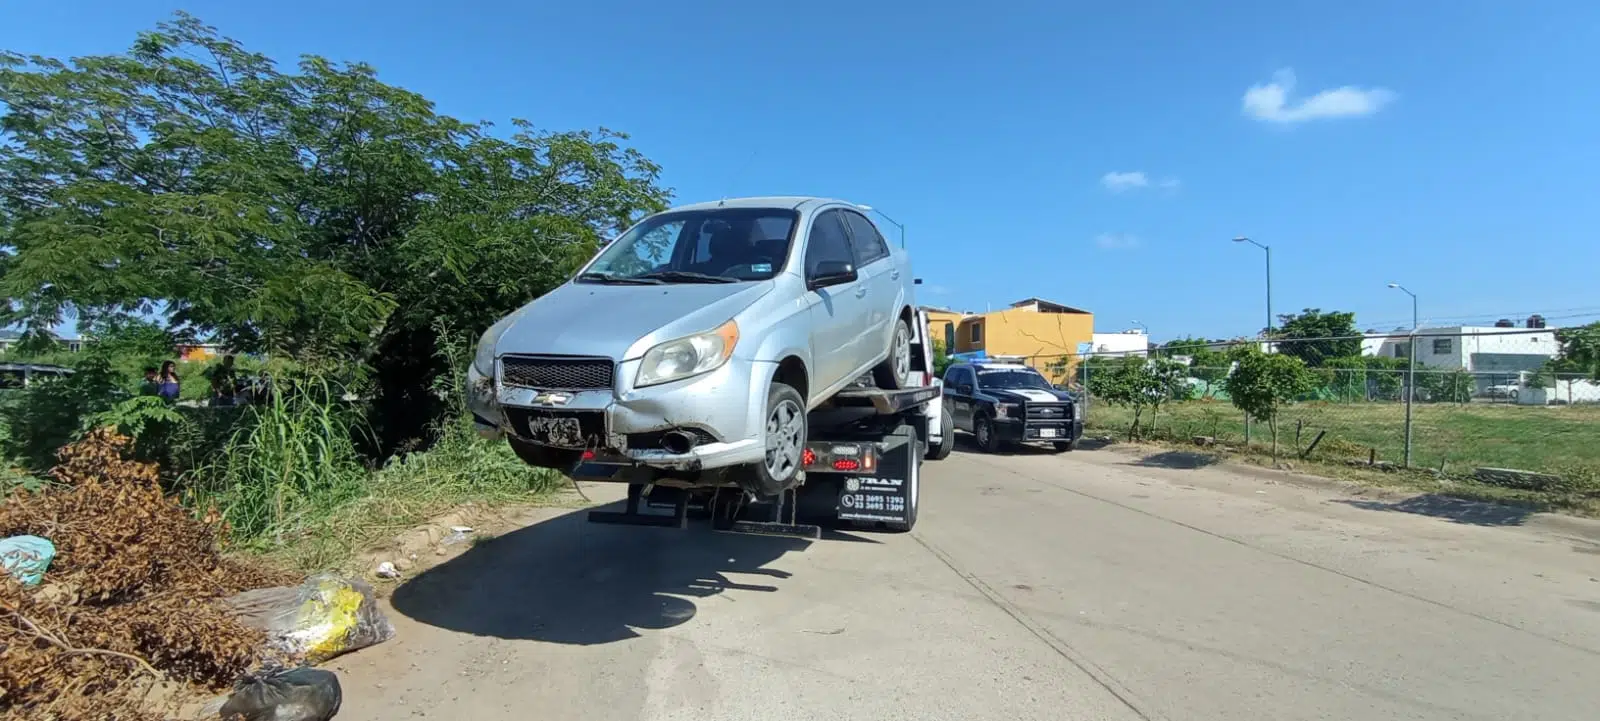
(841, 457)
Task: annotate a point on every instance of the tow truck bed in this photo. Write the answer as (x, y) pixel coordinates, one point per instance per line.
(860, 466)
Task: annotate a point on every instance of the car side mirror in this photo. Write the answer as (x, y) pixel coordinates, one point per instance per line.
(964, 389)
(831, 272)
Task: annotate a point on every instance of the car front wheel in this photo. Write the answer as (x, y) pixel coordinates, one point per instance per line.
(784, 434)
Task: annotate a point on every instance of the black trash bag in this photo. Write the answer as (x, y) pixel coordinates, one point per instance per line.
(278, 694)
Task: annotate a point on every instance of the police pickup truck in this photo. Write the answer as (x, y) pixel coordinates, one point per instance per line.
(1002, 403)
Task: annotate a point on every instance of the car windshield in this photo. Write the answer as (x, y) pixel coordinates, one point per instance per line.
(718, 245)
(1011, 378)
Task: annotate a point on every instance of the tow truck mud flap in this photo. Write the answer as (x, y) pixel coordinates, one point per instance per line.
(882, 492)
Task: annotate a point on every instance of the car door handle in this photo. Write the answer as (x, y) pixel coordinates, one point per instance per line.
(895, 275)
(861, 292)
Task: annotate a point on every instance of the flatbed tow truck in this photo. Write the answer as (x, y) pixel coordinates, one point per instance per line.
(861, 467)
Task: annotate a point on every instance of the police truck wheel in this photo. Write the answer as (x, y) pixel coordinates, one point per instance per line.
(983, 433)
(1064, 446)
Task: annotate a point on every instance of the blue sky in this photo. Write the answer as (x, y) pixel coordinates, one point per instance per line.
(1097, 156)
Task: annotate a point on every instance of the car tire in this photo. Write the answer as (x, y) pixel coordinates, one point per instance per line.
(983, 434)
(894, 373)
(538, 456)
(785, 416)
(1064, 446)
(947, 438)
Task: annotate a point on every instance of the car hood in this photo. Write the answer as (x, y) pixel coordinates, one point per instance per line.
(609, 320)
(1024, 395)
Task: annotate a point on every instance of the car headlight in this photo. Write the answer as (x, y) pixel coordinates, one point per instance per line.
(483, 358)
(690, 356)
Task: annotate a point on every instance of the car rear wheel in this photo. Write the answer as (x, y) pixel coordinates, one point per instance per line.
(894, 372)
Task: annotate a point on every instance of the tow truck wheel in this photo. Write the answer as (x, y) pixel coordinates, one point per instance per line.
(785, 436)
(983, 433)
(947, 438)
(894, 373)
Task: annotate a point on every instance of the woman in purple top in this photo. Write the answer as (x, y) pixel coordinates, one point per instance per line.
(167, 383)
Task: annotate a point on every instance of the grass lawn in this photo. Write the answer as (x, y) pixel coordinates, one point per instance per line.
(1458, 438)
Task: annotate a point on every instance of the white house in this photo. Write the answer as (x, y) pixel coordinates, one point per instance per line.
(1126, 343)
(1480, 349)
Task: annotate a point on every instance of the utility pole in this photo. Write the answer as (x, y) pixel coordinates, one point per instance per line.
(1411, 369)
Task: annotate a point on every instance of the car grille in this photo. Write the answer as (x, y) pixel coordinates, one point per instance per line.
(1049, 412)
(557, 373)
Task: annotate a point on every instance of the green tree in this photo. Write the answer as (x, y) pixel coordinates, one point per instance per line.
(1307, 336)
(1138, 383)
(1580, 350)
(1446, 386)
(1262, 383)
(1207, 361)
(318, 214)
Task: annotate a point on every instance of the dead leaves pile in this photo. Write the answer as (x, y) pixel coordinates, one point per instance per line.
(131, 597)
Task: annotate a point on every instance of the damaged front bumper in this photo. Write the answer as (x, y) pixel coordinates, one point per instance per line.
(722, 411)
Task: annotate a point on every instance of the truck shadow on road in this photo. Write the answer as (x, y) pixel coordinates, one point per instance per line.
(568, 581)
(1472, 513)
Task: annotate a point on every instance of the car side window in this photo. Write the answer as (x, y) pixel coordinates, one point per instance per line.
(827, 241)
(959, 376)
(869, 243)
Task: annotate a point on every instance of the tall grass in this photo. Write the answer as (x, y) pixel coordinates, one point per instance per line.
(287, 460)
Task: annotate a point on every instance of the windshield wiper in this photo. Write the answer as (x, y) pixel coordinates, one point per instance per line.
(684, 276)
(617, 280)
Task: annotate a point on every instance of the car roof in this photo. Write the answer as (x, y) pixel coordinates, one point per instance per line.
(1003, 366)
(786, 202)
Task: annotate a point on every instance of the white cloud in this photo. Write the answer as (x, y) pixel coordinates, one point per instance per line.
(1169, 183)
(1117, 182)
(1116, 241)
(1271, 102)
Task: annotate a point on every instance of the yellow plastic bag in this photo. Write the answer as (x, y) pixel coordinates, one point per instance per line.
(326, 616)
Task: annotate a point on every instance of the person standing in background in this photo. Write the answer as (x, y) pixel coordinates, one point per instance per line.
(168, 383)
(224, 382)
(150, 387)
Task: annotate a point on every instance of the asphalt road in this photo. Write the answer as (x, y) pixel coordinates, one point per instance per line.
(1092, 585)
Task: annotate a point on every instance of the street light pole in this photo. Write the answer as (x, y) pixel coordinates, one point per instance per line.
(885, 216)
(1268, 249)
(1411, 368)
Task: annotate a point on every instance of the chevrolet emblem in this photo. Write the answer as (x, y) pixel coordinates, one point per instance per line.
(552, 398)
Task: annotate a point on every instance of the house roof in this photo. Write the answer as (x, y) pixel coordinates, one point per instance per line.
(1049, 305)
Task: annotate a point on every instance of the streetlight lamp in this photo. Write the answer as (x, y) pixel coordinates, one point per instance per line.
(1411, 367)
(885, 216)
(1268, 249)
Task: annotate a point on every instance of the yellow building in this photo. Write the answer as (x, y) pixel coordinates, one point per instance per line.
(942, 324)
(1043, 334)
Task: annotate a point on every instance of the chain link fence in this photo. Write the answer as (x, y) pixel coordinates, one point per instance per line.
(1478, 398)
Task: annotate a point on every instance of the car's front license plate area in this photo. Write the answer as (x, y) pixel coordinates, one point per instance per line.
(560, 429)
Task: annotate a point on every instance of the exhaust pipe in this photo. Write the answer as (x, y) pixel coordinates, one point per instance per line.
(678, 442)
